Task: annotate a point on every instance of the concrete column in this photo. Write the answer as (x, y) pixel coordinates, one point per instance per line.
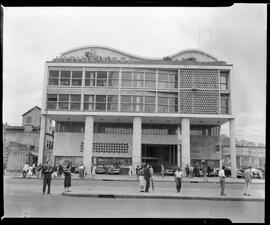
(232, 146)
(88, 143)
(179, 141)
(41, 140)
(136, 143)
(185, 127)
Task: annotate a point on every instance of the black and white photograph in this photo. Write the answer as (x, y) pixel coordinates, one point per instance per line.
(134, 112)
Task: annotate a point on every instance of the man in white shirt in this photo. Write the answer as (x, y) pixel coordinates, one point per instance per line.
(222, 176)
(178, 178)
(248, 179)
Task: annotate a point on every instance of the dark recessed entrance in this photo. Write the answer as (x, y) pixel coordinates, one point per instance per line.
(159, 154)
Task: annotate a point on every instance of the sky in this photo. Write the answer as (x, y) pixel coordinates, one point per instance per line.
(235, 34)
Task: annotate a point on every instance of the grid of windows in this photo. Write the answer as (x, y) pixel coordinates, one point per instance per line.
(224, 102)
(111, 148)
(102, 78)
(111, 128)
(63, 101)
(71, 127)
(139, 79)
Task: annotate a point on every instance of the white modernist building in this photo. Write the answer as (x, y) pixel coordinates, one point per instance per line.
(113, 107)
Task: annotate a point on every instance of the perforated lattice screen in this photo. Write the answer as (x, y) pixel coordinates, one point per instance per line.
(199, 102)
(112, 148)
(199, 78)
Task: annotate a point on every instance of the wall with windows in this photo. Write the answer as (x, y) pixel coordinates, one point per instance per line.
(32, 118)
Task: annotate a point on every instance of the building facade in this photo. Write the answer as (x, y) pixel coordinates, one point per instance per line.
(21, 143)
(115, 107)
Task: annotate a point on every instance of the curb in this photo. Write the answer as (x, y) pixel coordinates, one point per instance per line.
(110, 196)
(126, 180)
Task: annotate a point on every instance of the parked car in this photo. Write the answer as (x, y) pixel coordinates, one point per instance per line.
(115, 170)
(100, 169)
(257, 174)
(169, 171)
(239, 173)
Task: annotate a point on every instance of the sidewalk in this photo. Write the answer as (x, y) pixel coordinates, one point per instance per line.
(108, 177)
(165, 193)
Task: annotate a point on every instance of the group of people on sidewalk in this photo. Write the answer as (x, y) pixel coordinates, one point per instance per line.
(145, 174)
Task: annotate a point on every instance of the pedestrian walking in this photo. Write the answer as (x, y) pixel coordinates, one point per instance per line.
(147, 177)
(60, 170)
(81, 171)
(47, 177)
(25, 169)
(162, 170)
(129, 171)
(187, 170)
(178, 179)
(222, 177)
(151, 171)
(29, 173)
(248, 179)
(67, 180)
(94, 170)
(205, 174)
(34, 169)
(191, 171)
(141, 179)
(54, 173)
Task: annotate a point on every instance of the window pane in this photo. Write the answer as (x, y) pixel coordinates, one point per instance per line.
(88, 106)
(113, 98)
(113, 75)
(162, 85)
(126, 83)
(172, 78)
(162, 109)
(125, 107)
(53, 81)
(171, 85)
(76, 74)
(100, 106)
(76, 82)
(149, 108)
(52, 97)
(150, 100)
(63, 97)
(75, 105)
(162, 77)
(172, 101)
(223, 86)
(138, 76)
(151, 84)
(172, 108)
(101, 98)
(113, 79)
(126, 76)
(51, 105)
(223, 79)
(137, 99)
(76, 98)
(101, 75)
(112, 106)
(150, 76)
(65, 74)
(90, 74)
(88, 98)
(63, 105)
(137, 107)
(126, 98)
(162, 100)
(53, 74)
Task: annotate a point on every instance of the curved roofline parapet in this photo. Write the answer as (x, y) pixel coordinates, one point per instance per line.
(142, 57)
(194, 50)
(111, 49)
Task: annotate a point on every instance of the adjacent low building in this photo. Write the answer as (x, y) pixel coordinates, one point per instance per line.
(21, 143)
(113, 107)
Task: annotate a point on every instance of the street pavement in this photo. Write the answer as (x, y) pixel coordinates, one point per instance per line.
(167, 192)
(24, 198)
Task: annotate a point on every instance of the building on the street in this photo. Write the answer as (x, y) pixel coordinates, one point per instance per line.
(247, 153)
(21, 143)
(115, 107)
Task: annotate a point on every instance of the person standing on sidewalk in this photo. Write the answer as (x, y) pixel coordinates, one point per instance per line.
(248, 179)
(137, 172)
(187, 170)
(151, 171)
(178, 178)
(162, 170)
(38, 170)
(67, 181)
(25, 169)
(47, 177)
(205, 174)
(141, 179)
(147, 177)
(129, 171)
(222, 177)
(191, 171)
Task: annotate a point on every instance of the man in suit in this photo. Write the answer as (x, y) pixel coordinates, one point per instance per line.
(147, 177)
(47, 177)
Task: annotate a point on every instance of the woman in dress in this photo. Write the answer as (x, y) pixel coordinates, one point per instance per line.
(67, 181)
(141, 179)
